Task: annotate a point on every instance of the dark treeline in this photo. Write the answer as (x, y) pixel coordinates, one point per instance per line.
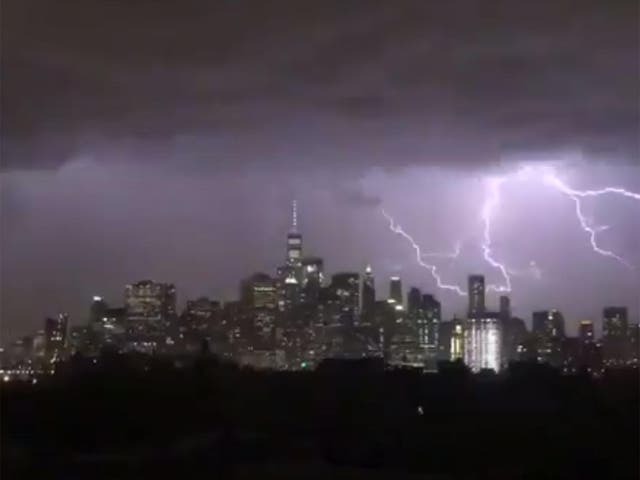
(125, 417)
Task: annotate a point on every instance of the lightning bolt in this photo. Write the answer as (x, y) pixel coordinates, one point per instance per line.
(577, 195)
(395, 228)
(490, 204)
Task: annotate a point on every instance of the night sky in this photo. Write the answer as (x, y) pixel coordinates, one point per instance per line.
(166, 139)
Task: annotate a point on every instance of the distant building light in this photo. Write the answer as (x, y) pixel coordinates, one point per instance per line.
(96, 298)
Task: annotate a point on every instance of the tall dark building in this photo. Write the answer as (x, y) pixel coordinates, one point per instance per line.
(586, 332)
(549, 333)
(505, 307)
(55, 332)
(414, 302)
(97, 310)
(201, 315)
(589, 352)
(476, 296)
(514, 333)
(429, 329)
(368, 296)
(395, 290)
(615, 336)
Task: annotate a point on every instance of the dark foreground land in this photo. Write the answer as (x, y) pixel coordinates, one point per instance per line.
(126, 418)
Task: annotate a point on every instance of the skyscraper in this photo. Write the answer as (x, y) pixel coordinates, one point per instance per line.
(589, 352)
(395, 289)
(476, 296)
(55, 332)
(294, 240)
(429, 328)
(549, 334)
(97, 310)
(505, 307)
(586, 332)
(258, 291)
(456, 340)
(615, 336)
(414, 302)
(150, 307)
(312, 279)
(346, 286)
(368, 296)
(482, 343)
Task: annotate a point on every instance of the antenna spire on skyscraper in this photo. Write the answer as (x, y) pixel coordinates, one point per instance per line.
(294, 216)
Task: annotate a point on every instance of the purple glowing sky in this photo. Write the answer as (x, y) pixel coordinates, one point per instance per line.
(172, 149)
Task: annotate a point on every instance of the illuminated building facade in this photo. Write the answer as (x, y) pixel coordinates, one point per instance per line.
(150, 308)
(482, 343)
(456, 340)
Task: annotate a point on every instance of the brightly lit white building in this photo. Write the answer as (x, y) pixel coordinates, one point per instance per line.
(482, 343)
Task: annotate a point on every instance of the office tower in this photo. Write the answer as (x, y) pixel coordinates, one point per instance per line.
(429, 328)
(456, 342)
(97, 309)
(80, 340)
(294, 240)
(55, 331)
(476, 296)
(346, 286)
(368, 296)
(571, 355)
(260, 298)
(505, 307)
(149, 301)
(200, 316)
(414, 301)
(514, 333)
(548, 333)
(259, 291)
(150, 308)
(482, 343)
(110, 332)
(586, 332)
(401, 335)
(589, 354)
(615, 336)
(312, 279)
(395, 290)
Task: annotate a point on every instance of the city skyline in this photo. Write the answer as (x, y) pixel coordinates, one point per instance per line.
(389, 288)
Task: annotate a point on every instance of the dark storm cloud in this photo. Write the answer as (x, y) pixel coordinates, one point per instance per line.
(354, 83)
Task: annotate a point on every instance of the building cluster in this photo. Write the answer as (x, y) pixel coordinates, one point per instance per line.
(295, 318)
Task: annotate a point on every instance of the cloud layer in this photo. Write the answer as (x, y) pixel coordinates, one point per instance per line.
(235, 84)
